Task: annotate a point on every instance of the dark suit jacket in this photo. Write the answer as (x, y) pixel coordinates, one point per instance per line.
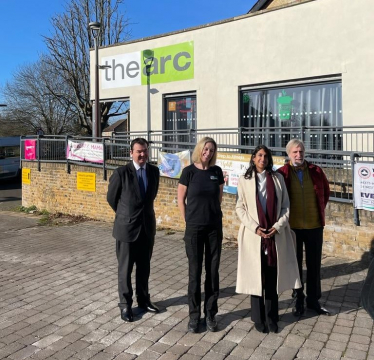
(133, 213)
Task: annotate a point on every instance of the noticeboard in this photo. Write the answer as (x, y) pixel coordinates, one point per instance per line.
(364, 186)
(86, 181)
(26, 176)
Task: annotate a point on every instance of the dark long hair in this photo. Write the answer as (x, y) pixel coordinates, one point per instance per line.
(252, 167)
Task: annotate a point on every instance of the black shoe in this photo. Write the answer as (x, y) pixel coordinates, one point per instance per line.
(193, 325)
(318, 309)
(261, 327)
(211, 323)
(149, 306)
(126, 314)
(298, 310)
(273, 328)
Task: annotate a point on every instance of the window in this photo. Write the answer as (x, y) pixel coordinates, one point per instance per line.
(311, 112)
(180, 119)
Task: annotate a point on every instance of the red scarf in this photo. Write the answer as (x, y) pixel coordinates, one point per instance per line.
(266, 221)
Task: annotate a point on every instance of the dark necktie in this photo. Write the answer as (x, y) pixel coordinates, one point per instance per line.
(141, 184)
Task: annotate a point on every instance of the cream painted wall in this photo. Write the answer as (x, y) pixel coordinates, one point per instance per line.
(312, 39)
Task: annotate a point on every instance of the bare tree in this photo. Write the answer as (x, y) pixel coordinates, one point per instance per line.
(38, 100)
(69, 47)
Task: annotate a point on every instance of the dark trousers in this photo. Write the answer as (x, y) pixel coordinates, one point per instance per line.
(196, 239)
(139, 253)
(312, 239)
(264, 309)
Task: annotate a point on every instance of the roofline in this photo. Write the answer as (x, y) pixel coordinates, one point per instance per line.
(257, 6)
(236, 18)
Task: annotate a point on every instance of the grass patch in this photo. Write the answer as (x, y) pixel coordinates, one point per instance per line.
(59, 219)
(168, 231)
(28, 210)
(52, 219)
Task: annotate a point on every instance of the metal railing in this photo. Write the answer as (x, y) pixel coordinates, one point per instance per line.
(328, 147)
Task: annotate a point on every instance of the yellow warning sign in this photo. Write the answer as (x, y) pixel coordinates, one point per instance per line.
(86, 181)
(26, 176)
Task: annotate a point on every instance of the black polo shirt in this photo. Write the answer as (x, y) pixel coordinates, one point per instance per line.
(203, 189)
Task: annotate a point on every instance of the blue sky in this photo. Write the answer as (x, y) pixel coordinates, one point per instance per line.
(23, 22)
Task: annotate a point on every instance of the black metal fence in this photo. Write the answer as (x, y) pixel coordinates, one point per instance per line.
(333, 149)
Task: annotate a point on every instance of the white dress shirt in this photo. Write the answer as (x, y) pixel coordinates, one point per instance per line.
(261, 187)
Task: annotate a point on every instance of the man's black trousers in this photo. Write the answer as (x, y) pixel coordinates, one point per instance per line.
(312, 239)
(137, 253)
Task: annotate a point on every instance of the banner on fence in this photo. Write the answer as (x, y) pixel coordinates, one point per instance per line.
(85, 151)
(364, 186)
(234, 165)
(30, 149)
(171, 165)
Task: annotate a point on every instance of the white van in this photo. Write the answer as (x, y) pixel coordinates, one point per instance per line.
(9, 157)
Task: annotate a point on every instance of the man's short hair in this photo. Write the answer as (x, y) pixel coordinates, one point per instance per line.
(140, 141)
(293, 143)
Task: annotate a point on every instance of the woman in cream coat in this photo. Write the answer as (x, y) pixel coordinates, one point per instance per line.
(255, 276)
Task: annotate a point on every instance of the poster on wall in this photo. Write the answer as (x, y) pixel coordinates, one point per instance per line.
(86, 181)
(85, 151)
(26, 176)
(234, 165)
(30, 149)
(171, 165)
(364, 186)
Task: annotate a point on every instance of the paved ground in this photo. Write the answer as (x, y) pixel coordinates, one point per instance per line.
(58, 300)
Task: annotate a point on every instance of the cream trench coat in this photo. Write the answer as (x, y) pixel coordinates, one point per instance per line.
(249, 255)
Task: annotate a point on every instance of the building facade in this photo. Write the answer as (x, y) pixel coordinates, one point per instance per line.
(308, 63)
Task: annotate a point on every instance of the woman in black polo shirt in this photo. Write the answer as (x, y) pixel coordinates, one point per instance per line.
(201, 183)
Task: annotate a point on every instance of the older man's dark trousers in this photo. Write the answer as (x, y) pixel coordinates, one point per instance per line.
(137, 253)
(312, 239)
(197, 238)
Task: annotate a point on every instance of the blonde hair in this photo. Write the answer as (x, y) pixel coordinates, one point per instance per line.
(196, 155)
(293, 143)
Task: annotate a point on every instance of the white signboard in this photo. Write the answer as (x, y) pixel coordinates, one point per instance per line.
(364, 186)
(234, 165)
(124, 71)
(85, 151)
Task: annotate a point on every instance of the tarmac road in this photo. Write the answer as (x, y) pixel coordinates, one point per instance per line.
(10, 194)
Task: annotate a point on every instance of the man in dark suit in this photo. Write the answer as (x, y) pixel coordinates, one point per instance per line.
(131, 193)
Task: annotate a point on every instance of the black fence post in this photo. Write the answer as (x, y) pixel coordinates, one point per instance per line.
(302, 134)
(104, 161)
(240, 142)
(66, 151)
(356, 215)
(21, 152)
(38, 142)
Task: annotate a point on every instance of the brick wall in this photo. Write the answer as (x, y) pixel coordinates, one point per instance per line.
(55, 190)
